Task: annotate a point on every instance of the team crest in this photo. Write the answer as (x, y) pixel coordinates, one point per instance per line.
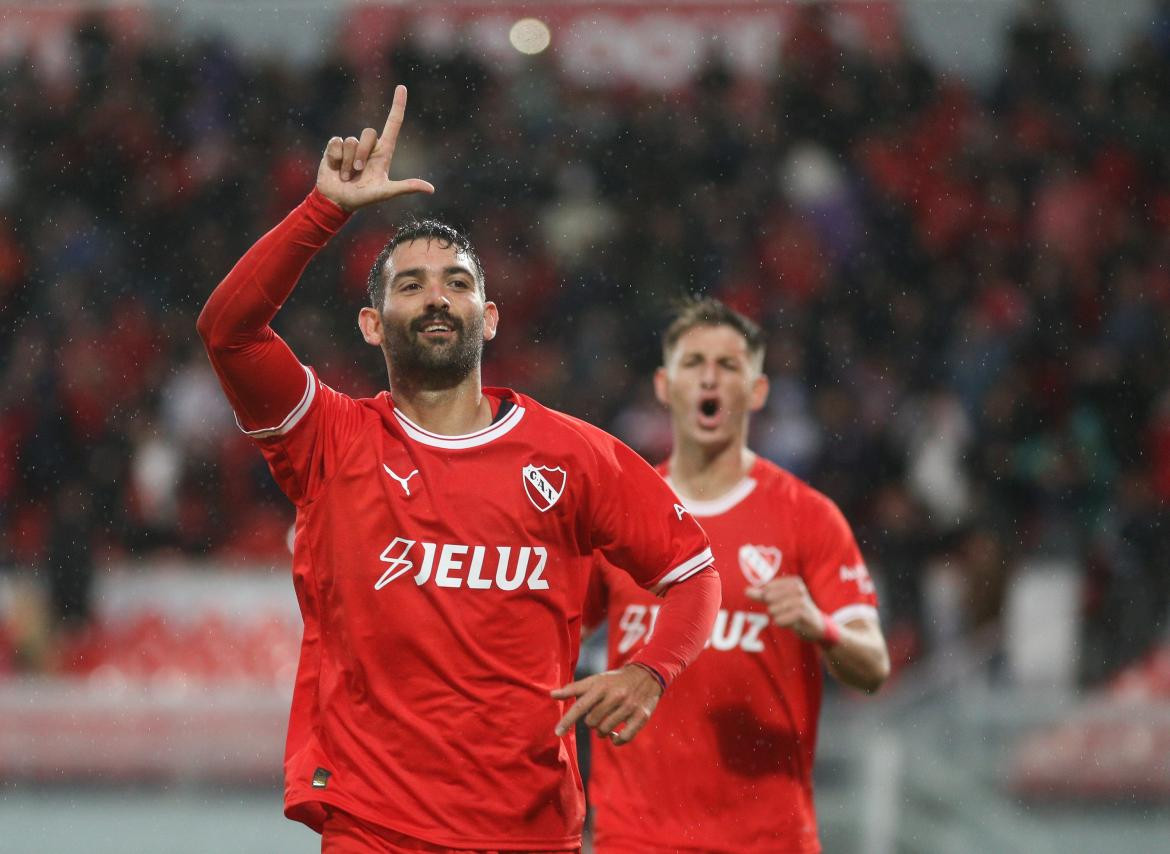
(759, 564)
(543, 485)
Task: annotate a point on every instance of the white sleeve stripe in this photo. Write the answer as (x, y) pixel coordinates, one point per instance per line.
(292, 418)
(854, 612)
(686, 569)
(694, 571)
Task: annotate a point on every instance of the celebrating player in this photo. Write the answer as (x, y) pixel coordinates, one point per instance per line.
(729, 768)
(444, 538)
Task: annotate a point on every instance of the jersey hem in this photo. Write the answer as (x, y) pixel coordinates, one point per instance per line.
(619, 843)
(424, 835)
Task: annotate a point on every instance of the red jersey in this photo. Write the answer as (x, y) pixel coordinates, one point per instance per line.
(726, 763)
(440, 579)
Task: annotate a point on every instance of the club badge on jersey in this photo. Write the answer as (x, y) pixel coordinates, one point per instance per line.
(759, 564)
(543, 485)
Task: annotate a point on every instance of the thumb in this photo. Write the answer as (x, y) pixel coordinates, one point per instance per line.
(410, 185)
(756, 593)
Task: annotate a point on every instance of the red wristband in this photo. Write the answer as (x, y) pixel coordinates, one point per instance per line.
(832, 633)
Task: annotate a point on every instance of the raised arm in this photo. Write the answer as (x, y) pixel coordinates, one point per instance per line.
(263, 380)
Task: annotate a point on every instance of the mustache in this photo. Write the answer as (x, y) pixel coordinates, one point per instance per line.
(421, 323)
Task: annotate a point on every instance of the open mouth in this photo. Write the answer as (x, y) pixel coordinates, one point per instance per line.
(710, 412)
(435, 327)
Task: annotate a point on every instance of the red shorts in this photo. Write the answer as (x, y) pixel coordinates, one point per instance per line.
(343, 833)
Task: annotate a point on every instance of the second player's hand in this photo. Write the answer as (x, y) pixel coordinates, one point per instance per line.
(610, 700)
(790, 606)
(355, 172)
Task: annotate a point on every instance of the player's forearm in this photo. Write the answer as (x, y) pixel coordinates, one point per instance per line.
(684, 623)
(244, 303)
(860, 658)
(263, 380)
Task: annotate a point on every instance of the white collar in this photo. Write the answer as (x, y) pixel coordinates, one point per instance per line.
(469, 440)
(716, 506)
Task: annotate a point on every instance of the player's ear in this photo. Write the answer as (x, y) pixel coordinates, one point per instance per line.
(660, 390)
(759, 393)
(491, 320)
(370, 323)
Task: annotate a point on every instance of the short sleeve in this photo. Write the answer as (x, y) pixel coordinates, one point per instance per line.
(304, 449)
(640, 526)
(831, 565)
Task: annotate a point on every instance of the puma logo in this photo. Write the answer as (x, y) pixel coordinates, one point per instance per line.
(402, 481)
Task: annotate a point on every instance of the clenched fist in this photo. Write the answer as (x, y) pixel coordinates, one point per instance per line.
(790, 605)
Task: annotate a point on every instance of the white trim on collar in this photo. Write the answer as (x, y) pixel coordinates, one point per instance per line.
(716, 506)
(468, 440)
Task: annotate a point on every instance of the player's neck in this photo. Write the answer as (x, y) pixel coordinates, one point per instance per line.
(705, 473)
(453, 411)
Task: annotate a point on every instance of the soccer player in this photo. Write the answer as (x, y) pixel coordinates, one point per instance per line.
(729, 769)
(444, 538)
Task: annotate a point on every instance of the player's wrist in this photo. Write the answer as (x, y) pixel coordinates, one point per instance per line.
(830, 633)
(334, 213)
(654, 674)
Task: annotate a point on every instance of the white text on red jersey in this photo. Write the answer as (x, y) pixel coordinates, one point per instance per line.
(732, 629)
(457, 565)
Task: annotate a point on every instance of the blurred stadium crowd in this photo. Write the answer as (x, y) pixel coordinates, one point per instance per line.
(967, 291)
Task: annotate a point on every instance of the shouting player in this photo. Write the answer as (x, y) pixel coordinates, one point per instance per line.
(444, 538)
(729, 768)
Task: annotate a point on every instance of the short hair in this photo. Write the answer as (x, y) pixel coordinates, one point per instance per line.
(421, 229)
(707, 311)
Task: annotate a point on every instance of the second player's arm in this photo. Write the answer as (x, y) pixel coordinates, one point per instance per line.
(859, 659)
(855, 652)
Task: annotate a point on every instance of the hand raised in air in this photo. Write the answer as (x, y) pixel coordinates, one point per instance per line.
(355, 172)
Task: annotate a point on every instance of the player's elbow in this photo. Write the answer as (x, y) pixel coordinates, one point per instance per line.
(871, 680)
(205, 326)
(213, 328)
(874, 683)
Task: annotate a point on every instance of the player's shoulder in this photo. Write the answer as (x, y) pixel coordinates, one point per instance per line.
(779, 484)
(560, 427)
(378, 406)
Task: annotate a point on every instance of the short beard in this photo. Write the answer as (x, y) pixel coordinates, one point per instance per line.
(432, 367)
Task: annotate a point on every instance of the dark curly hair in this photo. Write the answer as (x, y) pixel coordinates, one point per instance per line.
(421, 229)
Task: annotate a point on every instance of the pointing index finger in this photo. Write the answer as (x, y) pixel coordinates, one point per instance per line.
(394, 120)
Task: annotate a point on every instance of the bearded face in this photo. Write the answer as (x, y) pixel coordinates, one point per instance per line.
(434, 318)
(436, 349)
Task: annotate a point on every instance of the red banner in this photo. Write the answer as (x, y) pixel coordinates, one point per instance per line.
(660, 45)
